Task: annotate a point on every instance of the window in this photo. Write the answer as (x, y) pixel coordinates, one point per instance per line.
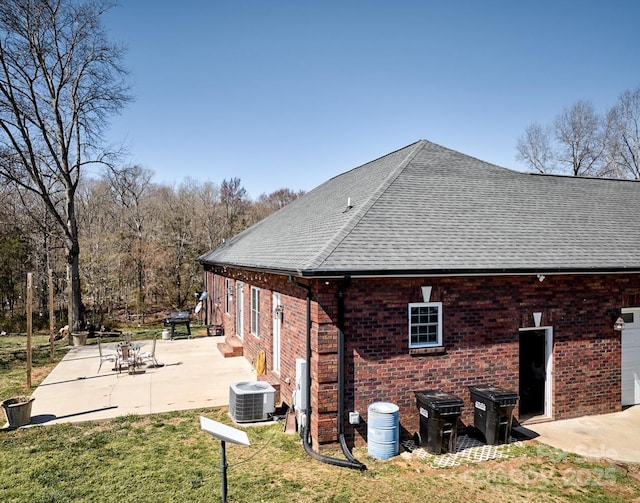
(227, 295)
(425, 324)
(255, 311)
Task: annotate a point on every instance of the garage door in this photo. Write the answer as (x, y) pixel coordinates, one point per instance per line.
(631, 357)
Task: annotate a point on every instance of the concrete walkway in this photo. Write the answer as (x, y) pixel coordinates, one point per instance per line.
(194, 375)
(607, 436)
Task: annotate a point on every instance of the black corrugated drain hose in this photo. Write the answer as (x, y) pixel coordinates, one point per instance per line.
(344, 463)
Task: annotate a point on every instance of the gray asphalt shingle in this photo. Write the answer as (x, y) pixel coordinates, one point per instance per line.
(429, 209)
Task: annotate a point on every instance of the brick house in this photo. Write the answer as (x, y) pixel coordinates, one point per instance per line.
(430, 269)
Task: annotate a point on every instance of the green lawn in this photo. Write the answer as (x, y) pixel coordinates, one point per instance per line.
(167, 458)
(13, 363)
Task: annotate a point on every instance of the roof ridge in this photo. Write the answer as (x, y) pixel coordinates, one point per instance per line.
(581, 177)
(351, 223)
(379, 158)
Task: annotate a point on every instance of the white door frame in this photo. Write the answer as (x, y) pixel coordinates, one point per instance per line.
(277, 329)
(548, 383)
(240, 309)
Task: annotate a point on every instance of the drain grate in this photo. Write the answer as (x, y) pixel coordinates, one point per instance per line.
(468, 450)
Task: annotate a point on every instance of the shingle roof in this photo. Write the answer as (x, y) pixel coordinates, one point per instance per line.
(425, 209)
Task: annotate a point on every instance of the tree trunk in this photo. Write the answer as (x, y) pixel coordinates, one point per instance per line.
(75, 298)
(73, 266)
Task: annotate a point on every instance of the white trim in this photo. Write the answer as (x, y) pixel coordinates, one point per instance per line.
(227, 295)
(548, 383)
(276, 319)
(255, 324)
(438, 342)
(240, 309)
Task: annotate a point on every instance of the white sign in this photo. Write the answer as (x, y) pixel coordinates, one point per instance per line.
(481, 405)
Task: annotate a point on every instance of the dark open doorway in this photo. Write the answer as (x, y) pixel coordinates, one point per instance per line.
(533, 355)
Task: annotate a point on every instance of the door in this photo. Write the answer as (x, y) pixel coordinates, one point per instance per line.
(534, 372)
(239, 309)
(277, 327)
(631, 356)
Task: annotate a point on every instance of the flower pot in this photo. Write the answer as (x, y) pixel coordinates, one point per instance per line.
(79, 338)
(18, 410)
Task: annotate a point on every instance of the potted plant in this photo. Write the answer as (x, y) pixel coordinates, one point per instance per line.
(79, 338)
(18, 410)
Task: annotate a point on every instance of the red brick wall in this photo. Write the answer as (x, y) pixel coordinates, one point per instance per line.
(293, 330)
(481, 321)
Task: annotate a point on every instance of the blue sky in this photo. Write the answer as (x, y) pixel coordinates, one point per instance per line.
(286, 94)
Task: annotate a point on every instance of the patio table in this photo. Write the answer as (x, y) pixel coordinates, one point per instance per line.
(132, 360)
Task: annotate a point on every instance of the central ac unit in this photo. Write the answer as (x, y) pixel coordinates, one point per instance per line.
(251, 401)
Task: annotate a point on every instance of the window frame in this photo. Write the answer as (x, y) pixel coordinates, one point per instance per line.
(417, 345)
(227, 295)
(255, 311)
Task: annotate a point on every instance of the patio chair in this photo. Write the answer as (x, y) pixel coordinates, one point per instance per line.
(125, 358)
(105, 357)
(150, 355)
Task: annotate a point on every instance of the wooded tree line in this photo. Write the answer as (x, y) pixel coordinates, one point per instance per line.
(139, 244)
(116, 243)
(580, 142)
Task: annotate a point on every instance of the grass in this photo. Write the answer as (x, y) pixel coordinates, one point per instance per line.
(13, 363)
(167, 458)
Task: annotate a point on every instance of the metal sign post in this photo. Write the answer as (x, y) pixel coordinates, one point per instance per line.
(223, 469)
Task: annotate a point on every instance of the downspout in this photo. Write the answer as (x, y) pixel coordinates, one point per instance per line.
(350, 463)
(341, 373)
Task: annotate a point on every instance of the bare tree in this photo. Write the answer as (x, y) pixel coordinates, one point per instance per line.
(624, 141)
(270, 203)
(575, 143)
(578, 130)
(179, 223)
(15, 249)
(534, 148)
(101, 258)
(60, 80)
(235, 202)
(209, 213)
(131, 189)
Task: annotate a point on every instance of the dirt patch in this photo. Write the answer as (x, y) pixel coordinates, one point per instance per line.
(39, 373)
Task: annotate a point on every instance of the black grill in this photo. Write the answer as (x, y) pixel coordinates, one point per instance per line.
(178, 318)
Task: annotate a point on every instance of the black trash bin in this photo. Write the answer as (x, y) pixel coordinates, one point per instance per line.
(493, 412)
(439, 413)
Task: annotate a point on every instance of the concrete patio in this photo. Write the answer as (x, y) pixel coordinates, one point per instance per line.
(194, 375)
(606, 436)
